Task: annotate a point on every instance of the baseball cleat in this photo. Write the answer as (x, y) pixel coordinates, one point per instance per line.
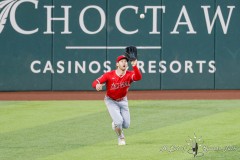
(121, 141)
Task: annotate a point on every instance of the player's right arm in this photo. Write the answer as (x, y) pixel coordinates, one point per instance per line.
(99, 82)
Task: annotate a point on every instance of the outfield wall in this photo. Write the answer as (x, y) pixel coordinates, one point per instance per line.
(66, 44)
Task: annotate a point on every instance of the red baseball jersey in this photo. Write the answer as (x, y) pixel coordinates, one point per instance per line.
(117, 86)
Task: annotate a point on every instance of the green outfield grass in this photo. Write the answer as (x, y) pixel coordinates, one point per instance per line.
(81, 130)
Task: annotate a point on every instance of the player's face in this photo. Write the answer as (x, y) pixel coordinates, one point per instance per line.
(122, 64)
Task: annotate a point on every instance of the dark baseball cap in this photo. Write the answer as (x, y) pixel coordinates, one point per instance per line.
(119, 58)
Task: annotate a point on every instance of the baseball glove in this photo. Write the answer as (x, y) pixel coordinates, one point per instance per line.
(131, 53)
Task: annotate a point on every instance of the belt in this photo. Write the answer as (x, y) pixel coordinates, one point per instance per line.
(119, 99)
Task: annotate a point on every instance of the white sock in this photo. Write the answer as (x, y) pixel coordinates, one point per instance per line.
(121, 136)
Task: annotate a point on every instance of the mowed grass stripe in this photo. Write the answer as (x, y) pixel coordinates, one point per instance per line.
(87, 130)
(147, 144)
(20, 115)
(51, 138)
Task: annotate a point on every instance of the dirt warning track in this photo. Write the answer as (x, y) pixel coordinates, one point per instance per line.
(132, 95)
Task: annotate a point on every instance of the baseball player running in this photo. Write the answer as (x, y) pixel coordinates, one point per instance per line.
(117, 83)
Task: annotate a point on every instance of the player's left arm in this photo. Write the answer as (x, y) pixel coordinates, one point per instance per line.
(137, 74)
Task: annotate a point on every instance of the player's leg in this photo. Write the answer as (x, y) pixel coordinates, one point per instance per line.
(115, 114)
(124, 110)
(114, 111)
